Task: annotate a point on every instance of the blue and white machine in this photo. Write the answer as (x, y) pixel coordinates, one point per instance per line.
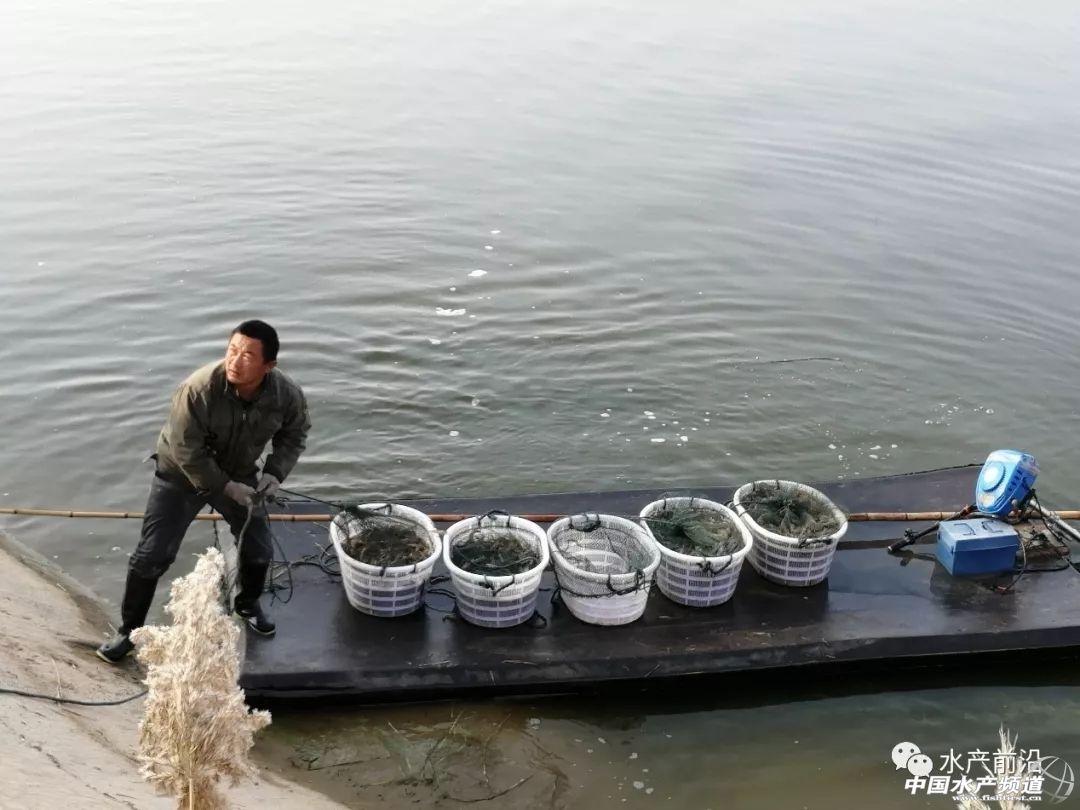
(977, 540)
(1006, 482)
(1006, 479)
(984, 545)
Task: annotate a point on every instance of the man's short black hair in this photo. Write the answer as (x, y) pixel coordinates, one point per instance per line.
(264, 333)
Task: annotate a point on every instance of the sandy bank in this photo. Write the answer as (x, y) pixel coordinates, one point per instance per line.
(52, 755)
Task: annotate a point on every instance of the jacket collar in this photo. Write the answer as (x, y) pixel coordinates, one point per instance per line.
(229, 389)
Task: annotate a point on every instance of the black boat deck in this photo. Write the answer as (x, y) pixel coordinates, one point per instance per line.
(875, 608)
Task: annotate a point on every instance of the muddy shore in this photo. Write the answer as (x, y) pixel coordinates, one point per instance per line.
(488, 754)
(56, 755)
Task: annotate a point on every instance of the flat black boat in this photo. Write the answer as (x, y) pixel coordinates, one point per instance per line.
(875, 610)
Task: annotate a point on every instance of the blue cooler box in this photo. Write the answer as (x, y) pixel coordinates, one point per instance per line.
(977, 546)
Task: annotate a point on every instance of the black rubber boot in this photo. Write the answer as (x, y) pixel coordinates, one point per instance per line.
(138, 596)
(246, 605)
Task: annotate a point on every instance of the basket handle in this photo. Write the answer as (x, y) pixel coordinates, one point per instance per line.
(590, 522)
(491, 514)
(639, 580)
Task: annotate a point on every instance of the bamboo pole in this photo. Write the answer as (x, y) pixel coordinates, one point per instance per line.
(855, 517)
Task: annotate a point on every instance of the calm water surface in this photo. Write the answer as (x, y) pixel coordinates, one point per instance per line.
(520, 247)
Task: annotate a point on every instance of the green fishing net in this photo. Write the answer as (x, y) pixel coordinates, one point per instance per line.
(694, 531)
(382, 539)
(790, 511)
(494, 551)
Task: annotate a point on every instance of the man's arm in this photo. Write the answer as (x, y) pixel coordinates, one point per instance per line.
(290, 440)
(186, 433)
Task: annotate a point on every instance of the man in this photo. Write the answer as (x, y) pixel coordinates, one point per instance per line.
(222, 417)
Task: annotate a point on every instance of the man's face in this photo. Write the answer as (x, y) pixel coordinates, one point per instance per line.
(244, 363)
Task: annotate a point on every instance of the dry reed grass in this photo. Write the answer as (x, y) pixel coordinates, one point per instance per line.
(197, 728)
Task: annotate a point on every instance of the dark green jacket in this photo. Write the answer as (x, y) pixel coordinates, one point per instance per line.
(212, 436)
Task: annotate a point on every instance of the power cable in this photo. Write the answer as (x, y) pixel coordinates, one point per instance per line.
(72, 701)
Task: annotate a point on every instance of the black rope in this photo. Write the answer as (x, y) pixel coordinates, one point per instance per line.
(589, 521)
(325, 560)
(71, 701)
(275, 567)
(1004, 589)
(496, 590)
(639, 584)
(439, 579)
(229, 584)
(440, 592)
(1065, 550)
(815, 541)
(1054, 531)
(335, 504)
(707, 567)
(639, 580)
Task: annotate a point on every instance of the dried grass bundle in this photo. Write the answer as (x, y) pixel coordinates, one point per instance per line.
(197, 728)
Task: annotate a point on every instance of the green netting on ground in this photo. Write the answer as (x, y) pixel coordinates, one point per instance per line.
(695, 532)
(384, 540)
(790, 511)
(494, 551)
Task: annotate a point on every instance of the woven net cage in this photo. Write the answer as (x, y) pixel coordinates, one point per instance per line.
(386, 553)
(798, 533)
(702, 544)
(790, 510)
(380, 538)
(496, 562)
(687, 528)
(602, 555)
(495, 548)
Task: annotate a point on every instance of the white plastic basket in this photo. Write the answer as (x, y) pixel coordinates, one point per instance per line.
(698, 581)
(615, 592)
(394, 590)
(496, 601)
(788, 560)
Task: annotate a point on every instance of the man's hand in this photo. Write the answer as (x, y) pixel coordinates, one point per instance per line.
(267, 486)
(241, 493)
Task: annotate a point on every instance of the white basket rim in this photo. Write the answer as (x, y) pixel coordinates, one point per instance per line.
(514, 522)
(612, 521)
(782, 538)
(678, 556)
(391, 570)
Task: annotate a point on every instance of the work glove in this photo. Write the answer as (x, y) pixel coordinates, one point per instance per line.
(241, 493)
(267, 486)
